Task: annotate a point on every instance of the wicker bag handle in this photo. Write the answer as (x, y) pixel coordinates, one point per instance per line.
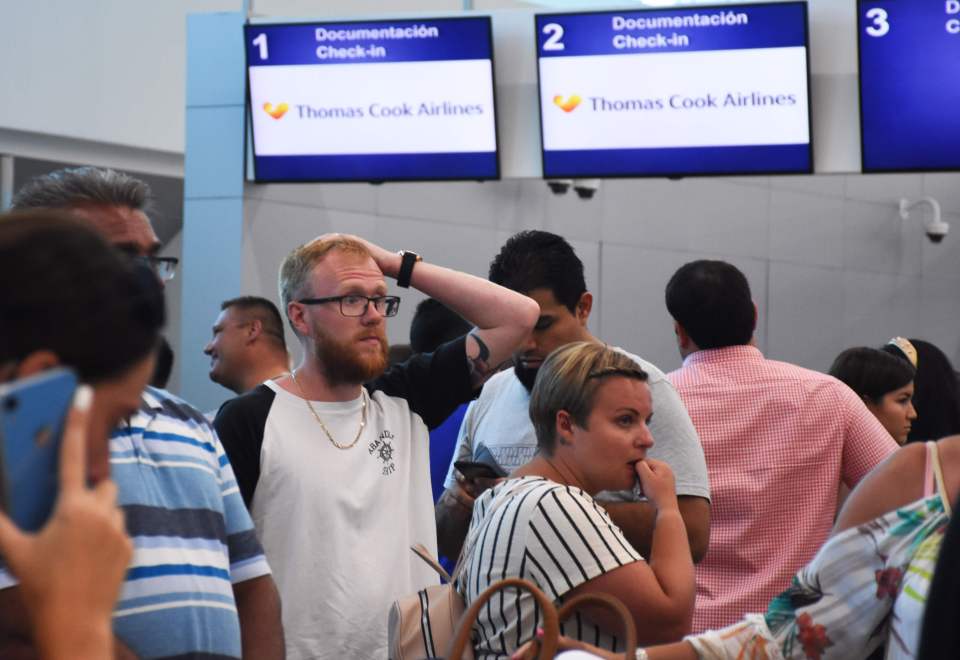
(614, 605)
(551, 624)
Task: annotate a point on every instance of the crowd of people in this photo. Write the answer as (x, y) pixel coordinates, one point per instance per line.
(738, 506)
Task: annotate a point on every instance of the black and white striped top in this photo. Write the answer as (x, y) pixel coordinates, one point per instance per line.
(557, 537)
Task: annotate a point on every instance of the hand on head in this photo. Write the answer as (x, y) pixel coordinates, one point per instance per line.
(388, 262)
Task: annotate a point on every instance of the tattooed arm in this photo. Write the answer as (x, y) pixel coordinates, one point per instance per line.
(503, 318)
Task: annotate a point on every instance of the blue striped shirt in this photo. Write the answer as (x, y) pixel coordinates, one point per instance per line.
(193, 538)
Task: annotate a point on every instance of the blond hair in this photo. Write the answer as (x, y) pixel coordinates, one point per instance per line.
(569, 379)
(297, 266)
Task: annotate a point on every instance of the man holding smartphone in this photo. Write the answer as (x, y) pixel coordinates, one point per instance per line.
(198, 583)
(497, 427)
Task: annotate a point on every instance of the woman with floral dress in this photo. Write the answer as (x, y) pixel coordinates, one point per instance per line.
(867, 586)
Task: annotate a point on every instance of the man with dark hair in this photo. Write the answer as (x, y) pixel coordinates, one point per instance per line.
(248, 346)
(198, 584)
(497, 427)
(779, 439)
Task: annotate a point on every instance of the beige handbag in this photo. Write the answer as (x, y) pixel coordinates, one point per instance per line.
(548, 645)
(422, 625)
(462, 648)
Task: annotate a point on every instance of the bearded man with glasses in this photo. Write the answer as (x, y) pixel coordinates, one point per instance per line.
(333, 460)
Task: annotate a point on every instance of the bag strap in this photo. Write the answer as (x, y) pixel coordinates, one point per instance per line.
(938, 472)
(421, 551)
(611, 603)
(928, 484)
(551, 623)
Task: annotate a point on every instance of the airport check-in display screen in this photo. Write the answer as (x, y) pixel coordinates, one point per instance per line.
(709, 90)
(909, 84)
(372, 101)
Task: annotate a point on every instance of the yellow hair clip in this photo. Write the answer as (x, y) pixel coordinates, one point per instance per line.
(905, 347)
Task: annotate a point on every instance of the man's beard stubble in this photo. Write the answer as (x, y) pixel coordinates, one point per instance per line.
(527, 377)
(342, 364)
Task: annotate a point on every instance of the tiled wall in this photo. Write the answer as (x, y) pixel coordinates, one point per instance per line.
(829, 260)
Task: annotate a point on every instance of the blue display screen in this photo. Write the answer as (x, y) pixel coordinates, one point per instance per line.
(372, 101)
(707, 90)
(909, 84)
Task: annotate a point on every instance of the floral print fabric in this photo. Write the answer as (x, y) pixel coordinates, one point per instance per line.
(866, 587)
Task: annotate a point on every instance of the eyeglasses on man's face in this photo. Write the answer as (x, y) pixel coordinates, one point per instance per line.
(164, 267)
(356, 305)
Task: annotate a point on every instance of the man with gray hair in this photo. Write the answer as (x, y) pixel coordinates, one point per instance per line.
(198, 584)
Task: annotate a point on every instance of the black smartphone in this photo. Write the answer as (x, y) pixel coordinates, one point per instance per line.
(474, 470)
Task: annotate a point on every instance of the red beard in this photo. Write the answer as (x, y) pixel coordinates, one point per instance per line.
(344, 363)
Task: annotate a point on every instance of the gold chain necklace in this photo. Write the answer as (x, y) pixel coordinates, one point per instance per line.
(363, 414)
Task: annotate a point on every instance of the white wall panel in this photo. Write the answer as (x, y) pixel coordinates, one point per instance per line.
(806, 229)
(876, 240)
(806, 315)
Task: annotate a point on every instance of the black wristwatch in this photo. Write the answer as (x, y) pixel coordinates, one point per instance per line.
(407, 261)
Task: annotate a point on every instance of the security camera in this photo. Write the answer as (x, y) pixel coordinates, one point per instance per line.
(586, 188)
(936, 228)
(559, 186)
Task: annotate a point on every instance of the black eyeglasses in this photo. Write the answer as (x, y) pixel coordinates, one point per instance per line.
(356, 305)
(164, 267)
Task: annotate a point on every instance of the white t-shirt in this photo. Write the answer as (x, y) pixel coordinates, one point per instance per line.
(337, 524)
(367, 505)
(498, 425)
(557, 537)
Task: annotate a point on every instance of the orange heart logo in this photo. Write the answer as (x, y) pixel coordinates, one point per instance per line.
(276, 112)
(568, 105)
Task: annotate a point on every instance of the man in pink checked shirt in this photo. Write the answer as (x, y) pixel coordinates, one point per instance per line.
(778, 440)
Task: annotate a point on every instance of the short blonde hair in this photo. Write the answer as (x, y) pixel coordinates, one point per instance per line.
(297, 266)
(569, 379)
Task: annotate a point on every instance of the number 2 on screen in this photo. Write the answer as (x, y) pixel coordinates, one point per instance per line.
(554, 32)
(261, 43)
(881, 23)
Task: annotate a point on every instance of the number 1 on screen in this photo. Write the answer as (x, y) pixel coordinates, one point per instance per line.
(261, 43)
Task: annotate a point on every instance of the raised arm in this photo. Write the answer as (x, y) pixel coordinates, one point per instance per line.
(503, 318)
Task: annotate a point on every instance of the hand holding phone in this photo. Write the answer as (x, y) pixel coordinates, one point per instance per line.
(477, 470)
(71, 571)
(475, 477)
(32, 415)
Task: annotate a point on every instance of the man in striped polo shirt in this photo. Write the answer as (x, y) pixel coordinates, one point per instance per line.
(198, 585)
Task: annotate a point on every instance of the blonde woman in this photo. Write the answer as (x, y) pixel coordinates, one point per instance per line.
(590, 408)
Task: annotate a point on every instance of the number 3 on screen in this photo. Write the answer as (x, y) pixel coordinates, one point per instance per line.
(881, 25)
(554, 32)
